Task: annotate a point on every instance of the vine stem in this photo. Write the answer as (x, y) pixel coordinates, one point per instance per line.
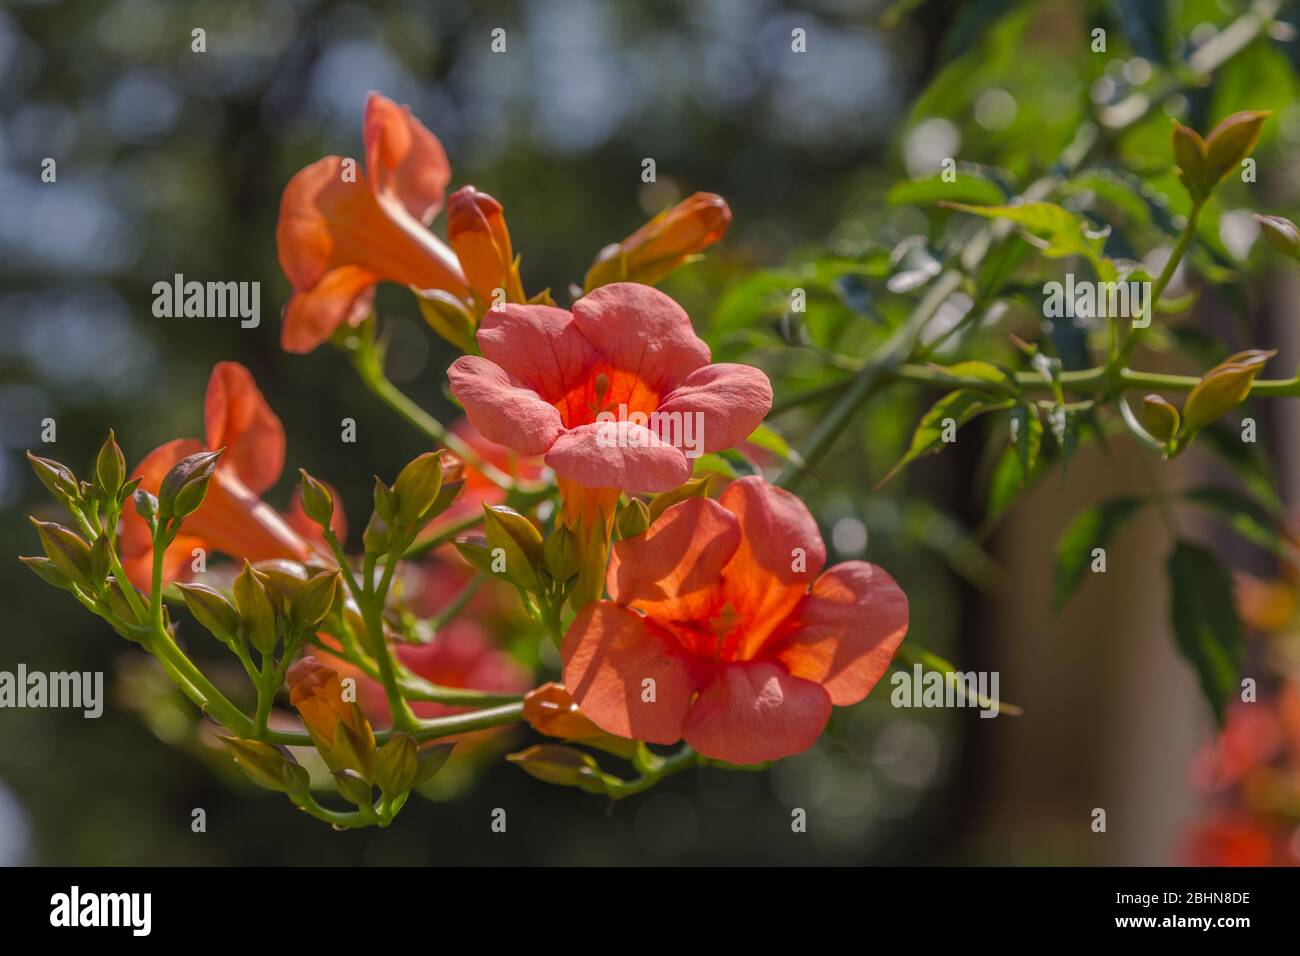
(369, 363)
(886, 359)
(433, 728)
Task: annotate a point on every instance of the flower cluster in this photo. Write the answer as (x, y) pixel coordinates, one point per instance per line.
(686, 605)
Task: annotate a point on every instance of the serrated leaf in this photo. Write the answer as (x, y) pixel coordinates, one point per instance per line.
(1092, 529)
(1205, 622)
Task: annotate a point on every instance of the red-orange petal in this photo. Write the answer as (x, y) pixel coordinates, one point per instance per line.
(845, 632)
(610, 653)
(342, 295)
(403, 158)
(781, 553)
(329, 218)
(752, 711)
(238, 419)
(671, 572)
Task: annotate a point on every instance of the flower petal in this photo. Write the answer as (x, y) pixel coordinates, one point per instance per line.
(780, 555)
(609, 652)
(617, 455)
(732, 401)
(403, 158)
(845, 632)
(671, 572)
(503, 412)
(330, 218)
(238, 419)
(342, 295)
(640, 330)
(541, 347)
(754, 711)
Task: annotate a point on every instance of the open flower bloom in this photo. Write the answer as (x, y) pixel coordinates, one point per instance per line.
(626, 353)
(341, 230)
(723, 629)
(233, 519)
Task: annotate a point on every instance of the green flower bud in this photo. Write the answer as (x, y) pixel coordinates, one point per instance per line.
(432, 759)
(110, 469)
(353, 787)
(563, 766)
(560, 554)
(376, 539)
(417, 488)
(255, 609)
(1281, 234)
(317, 502)
(185, 486)
(396, 764)
(633, 520)
(385, 501)
(1160, 418)
(69, 553)
(211, 609)
(47, 571)
(519, 542)
(264, 764)
(313, 601)
(57, 478)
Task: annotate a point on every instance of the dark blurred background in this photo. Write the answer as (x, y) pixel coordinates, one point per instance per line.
(170, 161)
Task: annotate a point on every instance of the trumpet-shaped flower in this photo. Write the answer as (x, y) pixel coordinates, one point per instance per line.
(610, 392)
(724, 630)
(233, 519)
(342, 230)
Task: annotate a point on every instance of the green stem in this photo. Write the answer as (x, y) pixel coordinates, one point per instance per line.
(884, 362)
(653, 770)
(368, 360)
(266, 687)
(372, 612)
(433, 728)
(433, 542)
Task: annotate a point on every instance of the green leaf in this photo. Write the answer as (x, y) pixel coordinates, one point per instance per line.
(1057, 231)
(1027, 439)
(959, 406)
(769, 439)
(1000, 380)
(1092, 529)
(1252, 520)
(910, 654)
(1205, 621)
(963, 188)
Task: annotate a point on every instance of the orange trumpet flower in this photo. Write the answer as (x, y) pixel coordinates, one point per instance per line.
(342, 230)
(233, 519)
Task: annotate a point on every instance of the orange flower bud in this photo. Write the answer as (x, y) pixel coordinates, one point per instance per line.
(551, 711)
(337, 727)
(663, 243)
(476, 229)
